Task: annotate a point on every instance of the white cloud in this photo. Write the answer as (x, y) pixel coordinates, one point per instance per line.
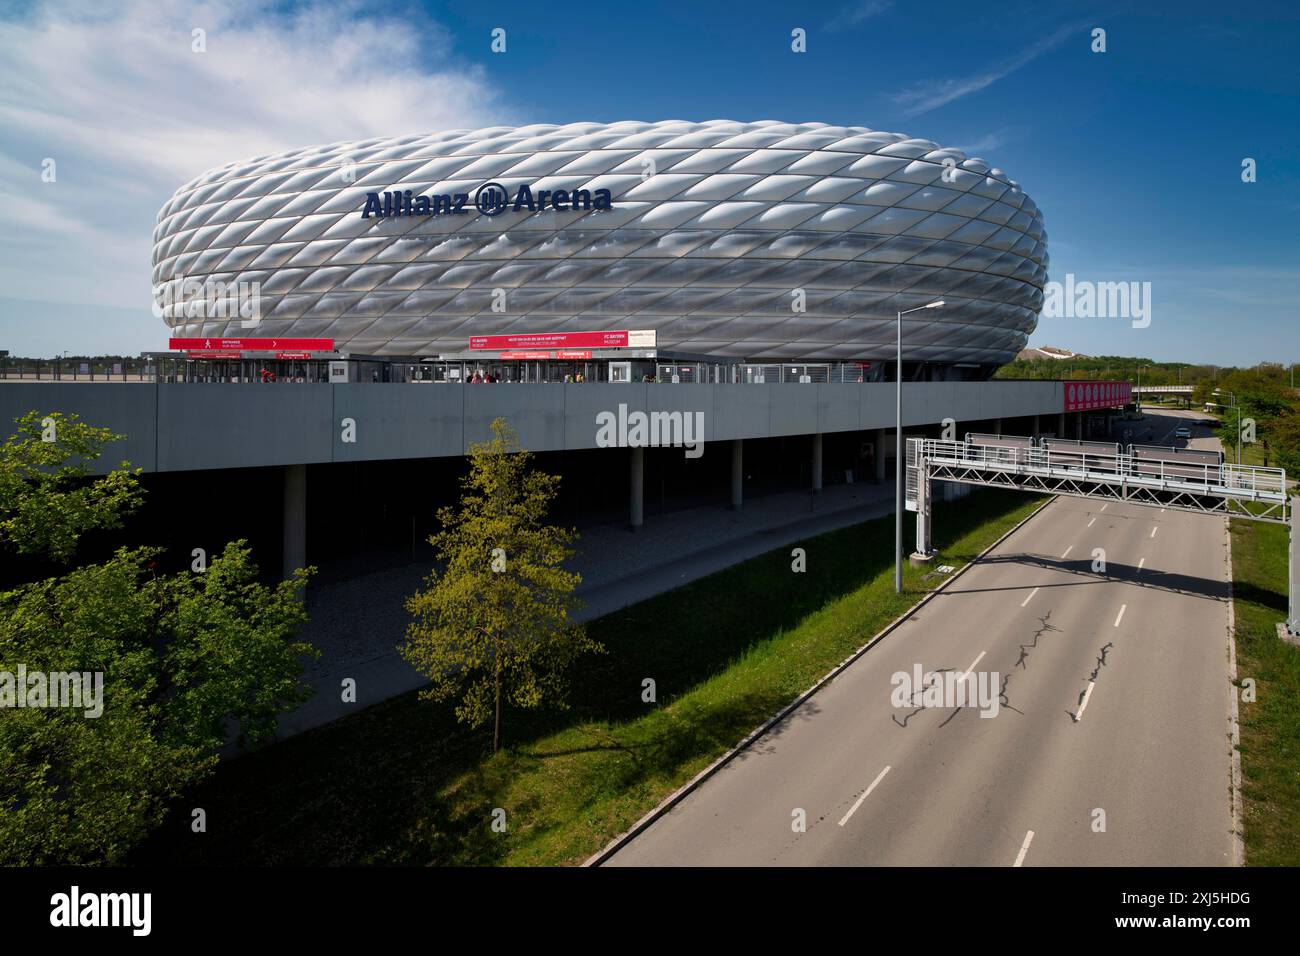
(116, 96)
(932, 94)
(989, 142)
(852, 14)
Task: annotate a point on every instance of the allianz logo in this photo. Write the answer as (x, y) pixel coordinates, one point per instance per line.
(490, 199)
(624, 429)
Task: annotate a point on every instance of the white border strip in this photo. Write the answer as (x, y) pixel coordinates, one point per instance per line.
(1234, 729)
(683, 791)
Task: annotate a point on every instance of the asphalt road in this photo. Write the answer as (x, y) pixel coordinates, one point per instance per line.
(1109, 745)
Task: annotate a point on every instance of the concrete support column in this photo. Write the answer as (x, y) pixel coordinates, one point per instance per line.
(997, 427)
(737, 473)
(1060, 429)
(636, 486)
(1078, 425)
(1036, 426)
(817, 463)
(295, 519)
(880, 454)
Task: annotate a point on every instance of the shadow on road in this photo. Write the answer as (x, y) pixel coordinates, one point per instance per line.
(1145, 577)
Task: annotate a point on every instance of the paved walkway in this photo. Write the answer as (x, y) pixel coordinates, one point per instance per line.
(357, 624)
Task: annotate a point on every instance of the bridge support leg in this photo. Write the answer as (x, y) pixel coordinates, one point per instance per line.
(737, 473)
(1293, 573)
(1060, 428)
(817, 463)
(294, 552)
(924, 552)
(880, 455)
(1036, 426)
(636, 489)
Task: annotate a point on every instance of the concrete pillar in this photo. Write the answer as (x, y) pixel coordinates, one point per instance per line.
(997, 427)
(636, 485)
(1078, 425)
(1060, 429)
(817, 463)
(737, 473)
(880, 454)
(1035, 432)
(295, 519)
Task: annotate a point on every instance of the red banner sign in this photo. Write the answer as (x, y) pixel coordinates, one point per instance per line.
(254, 345)
(581, 354)
(1084, 396)
(552, 340)
(214, 354)
(526, 355)
(293, 355)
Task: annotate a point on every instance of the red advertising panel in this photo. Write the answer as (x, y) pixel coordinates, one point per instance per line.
(214, 354)
(580, 354)
(552, 340)
(1084, 396)
(293, 355)
(254, 345)
(525, 355)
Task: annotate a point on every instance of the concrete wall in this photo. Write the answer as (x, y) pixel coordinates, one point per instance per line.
(185, 427)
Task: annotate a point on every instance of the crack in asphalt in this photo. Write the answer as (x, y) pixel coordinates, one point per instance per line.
(1092, 679)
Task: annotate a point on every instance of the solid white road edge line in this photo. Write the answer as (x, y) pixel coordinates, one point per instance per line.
(865, 793)
(1234, 729)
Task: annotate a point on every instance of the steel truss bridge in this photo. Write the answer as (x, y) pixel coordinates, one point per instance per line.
(1238, 491)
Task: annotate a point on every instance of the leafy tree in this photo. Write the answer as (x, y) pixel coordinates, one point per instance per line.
(46, 504)
(1284, 438)
(183, 658)
(493, 626)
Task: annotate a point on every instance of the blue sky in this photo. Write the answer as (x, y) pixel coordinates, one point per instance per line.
(1134, 155)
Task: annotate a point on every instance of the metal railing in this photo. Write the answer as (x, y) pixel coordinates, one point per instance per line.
(749, 373)
(76, 370)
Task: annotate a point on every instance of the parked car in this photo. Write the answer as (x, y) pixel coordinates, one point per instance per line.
(1182, 431)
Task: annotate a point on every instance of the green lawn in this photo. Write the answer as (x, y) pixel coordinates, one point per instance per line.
(1270, 727)
(402, 783)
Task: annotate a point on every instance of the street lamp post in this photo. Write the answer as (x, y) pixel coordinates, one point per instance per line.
(898, 447)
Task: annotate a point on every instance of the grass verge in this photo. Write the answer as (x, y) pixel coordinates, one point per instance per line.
(1270, 727)
(401, 783)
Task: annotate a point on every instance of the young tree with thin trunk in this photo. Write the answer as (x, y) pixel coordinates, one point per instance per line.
(493, 626)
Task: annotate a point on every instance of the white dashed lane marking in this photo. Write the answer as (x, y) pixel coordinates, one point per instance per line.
(1024, 848)
(865, 793)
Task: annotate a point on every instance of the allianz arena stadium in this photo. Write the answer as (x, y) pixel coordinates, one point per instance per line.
(742, 241)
